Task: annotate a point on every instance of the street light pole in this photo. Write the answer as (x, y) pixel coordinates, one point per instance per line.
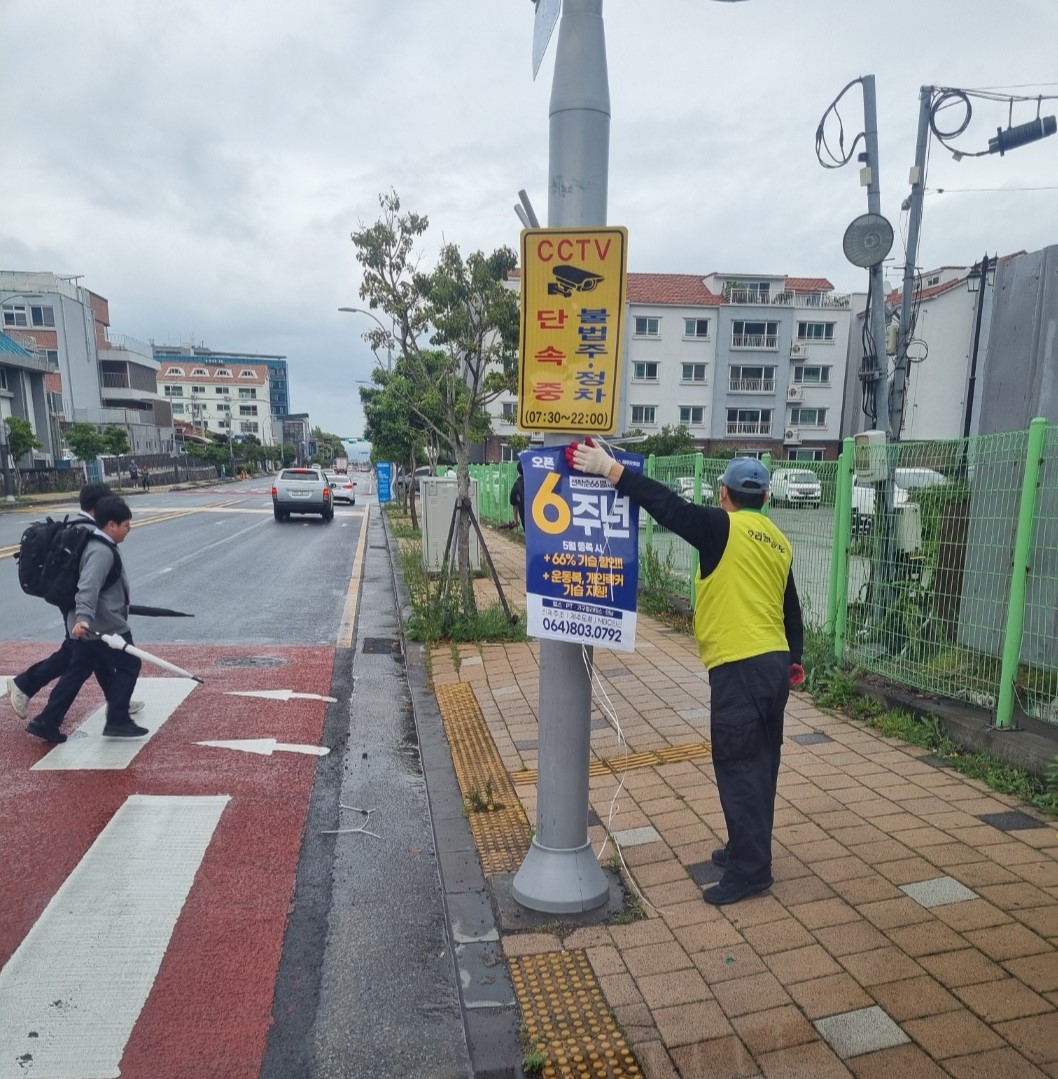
(378, 321)
(982, 284)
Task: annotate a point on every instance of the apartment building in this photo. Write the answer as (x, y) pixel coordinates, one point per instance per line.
(217, 399)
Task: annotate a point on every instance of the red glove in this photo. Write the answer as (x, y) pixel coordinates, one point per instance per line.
(797, 675)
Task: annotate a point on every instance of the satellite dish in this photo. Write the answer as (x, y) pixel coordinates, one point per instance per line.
(867, 240)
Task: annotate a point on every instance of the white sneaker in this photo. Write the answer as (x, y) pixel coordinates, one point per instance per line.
(134, 707)
(19, 701)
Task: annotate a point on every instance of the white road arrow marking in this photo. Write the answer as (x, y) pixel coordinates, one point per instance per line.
(279, 695)
(266, 747)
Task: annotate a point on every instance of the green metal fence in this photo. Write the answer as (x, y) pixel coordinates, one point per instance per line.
(933, 564)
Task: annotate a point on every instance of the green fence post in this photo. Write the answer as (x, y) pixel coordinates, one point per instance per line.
(1015, 627)
(838, 593)
(649, 470)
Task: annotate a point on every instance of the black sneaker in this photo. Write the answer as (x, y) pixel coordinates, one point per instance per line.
(731, 891)
(719, 857)
(124, 730)
(49, 734)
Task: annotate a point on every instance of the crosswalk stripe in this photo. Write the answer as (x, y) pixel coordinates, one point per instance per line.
(72, 992)
(87, 750)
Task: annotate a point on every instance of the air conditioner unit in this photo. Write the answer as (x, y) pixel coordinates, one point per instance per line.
(792, 436)
(800, 351)
(794, 393)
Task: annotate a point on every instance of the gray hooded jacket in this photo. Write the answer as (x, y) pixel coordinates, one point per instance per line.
(106, 610)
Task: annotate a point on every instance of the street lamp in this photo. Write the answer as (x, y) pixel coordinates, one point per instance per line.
(977, 280)
(378, 322)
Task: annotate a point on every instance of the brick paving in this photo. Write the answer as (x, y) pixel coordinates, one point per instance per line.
(913, 923)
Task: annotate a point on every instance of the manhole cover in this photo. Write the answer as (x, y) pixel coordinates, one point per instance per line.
(251, 661)
(382, 645)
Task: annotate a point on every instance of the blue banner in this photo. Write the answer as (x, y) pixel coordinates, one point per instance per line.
(581, 552)
(384, 471)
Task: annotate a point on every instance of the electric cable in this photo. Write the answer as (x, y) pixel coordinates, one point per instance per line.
(836, 160)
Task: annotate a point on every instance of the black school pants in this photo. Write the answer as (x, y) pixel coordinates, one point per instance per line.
(34, 678)
(748, 699)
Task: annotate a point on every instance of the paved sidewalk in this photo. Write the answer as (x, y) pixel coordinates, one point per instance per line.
(912, 927)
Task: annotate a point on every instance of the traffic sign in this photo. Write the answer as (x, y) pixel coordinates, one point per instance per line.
(573, 300)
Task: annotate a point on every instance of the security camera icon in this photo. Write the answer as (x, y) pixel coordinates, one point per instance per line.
(570, 279)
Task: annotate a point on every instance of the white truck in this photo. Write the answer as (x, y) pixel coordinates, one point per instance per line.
(341, 464)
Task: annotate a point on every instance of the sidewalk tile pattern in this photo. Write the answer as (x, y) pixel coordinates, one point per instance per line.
(867, 958)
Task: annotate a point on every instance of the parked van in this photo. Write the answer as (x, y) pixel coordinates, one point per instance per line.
(863, 504)
(795, 487)
(909, 478)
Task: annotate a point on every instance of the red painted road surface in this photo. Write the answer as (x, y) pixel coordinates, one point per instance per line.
(209, 1010)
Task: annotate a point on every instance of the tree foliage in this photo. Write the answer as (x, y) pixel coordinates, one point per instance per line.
(455, 332)
(85, 441)
(668, 442)
(116, 440)
(20, 440)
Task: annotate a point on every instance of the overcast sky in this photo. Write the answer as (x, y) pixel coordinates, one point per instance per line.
(203, 163)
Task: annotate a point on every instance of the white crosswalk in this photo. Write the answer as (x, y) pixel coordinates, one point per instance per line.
(72, 992)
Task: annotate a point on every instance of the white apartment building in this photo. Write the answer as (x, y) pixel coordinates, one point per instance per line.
(229, 400)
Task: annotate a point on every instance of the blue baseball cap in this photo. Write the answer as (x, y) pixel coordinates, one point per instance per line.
(747, 475)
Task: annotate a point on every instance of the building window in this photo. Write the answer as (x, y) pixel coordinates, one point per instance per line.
(198, 389)
(247, 410)
(42, 316)
(805, 455)
(3, 379)
(53, 356)
(200, 372)
(248, 427)
(752, 379)
(748, 291)
(223, 408)
(175, 372)
(247, 373)
(247, 395)
(223, 372)
(815, 331)
(647, 326)
(695, 327)
(815, 375)
(644, 372)
(692, 415)
(749, 421)
(693, 372)
(751, 334)
(219, 390)
(808, 417)
(644, 415)
(510, 409)
(173, 391)
(15, 315)
(178, 408)
(930, 281)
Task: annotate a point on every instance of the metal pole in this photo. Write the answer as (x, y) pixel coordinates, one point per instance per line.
(1015, 625)
(977, 341)
(9, 485)
(877, 285)
(914, 223)
(560, 873)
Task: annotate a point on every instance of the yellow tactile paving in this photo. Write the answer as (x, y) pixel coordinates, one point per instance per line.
(501, 834)
(567, 1019)
(631, 761)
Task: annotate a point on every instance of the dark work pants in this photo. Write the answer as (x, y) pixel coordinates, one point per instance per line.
(33, 679)
(118, 671)
(748, 699)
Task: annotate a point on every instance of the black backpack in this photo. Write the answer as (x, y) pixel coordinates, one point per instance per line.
(49, 561)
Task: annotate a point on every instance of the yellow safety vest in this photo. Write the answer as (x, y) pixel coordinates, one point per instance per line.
(738, 608)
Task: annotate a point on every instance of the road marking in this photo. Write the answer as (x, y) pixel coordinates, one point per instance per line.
(72, 992)
(348, 623)
(267, 746)
(87, 749)
(278, 695)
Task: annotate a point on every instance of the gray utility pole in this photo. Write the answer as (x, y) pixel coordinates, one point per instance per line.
(914, 224)
(561, 873)
(9, 487)
(877, 283)
(986, 266)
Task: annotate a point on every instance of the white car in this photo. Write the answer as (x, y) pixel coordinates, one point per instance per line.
(342, 489)
(863, 498)
(795, 487)
(686, 489)
(909, 478)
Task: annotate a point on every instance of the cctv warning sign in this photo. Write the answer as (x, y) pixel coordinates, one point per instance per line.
(573, 301)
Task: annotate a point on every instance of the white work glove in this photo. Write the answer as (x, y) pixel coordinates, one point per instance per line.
(587, 457)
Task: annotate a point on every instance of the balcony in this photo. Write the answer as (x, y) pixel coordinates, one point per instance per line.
(766, 341)
(752, 385)
(789, 299)
(757, 429)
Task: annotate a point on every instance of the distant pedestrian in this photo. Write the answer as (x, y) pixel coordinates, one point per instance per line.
(134, 473)
(145, 483)
(747, 622)
(517, 498)
(23, 687)
(100, 607)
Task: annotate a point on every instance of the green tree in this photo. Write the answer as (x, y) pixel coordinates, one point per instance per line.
(20, 440)
(668, 442)
(117, 441)
(455, 329)
(85, 441)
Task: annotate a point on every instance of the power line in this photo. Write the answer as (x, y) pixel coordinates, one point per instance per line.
(963, 190)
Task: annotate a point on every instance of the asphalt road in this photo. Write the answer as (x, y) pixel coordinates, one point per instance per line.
(290, 950)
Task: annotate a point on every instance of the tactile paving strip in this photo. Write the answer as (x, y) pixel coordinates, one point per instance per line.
(567, 1019)
(631, 761)
(501, 835)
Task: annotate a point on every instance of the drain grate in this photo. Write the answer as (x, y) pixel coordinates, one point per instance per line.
(252, 661)
(382, 646)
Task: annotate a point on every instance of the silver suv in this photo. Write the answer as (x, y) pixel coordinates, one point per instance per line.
(302, 490)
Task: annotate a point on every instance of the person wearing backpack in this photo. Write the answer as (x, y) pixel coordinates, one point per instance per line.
(101, 605)
(33, 559)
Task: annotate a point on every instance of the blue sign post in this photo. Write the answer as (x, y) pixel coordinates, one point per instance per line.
(581, 553)
(384, 471)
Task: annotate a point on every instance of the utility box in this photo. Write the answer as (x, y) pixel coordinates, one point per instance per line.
(908, 528)
(437, 499)
(871, 462)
